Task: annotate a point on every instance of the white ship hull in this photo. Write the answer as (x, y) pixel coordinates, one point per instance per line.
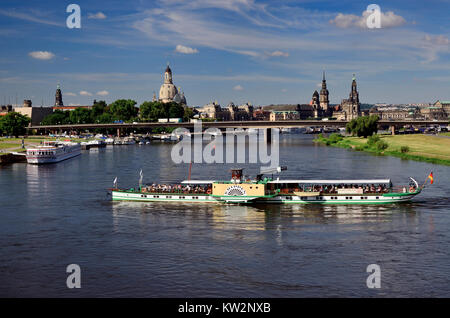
(45, 154)
(120, 195)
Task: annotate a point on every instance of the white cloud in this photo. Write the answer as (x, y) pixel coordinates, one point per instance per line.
(433, 46)
(388, 20)
(238, 88)
(84, 93)
(185, 49)
(437, 40)
(278, 53)
(70, 94)
(35, 16)
(97, 16)
(103, 93)
(175, 25)
(41, 55)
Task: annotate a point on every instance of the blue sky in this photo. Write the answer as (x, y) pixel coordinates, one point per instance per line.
(263, 52)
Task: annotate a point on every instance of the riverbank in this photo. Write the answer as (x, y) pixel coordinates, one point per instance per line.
(8, 145)
(427, 148)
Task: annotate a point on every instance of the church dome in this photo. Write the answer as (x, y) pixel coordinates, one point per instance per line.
(167, 92)
(177, 98)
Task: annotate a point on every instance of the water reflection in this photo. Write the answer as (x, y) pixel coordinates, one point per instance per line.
(264, 217)
(59, 214)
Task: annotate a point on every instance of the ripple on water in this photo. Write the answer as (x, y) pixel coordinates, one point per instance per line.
(59, 214)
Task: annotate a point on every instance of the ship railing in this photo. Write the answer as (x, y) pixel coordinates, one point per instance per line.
(397, 189)
(402, 189)
(176, 192)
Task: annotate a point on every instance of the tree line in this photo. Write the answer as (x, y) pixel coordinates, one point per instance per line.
(13, 124)
(122, 109)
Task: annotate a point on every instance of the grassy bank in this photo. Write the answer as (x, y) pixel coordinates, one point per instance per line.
(418, 147)
(15, 144)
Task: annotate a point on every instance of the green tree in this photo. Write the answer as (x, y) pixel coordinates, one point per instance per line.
(58, 117)
(123, 109)
(175, 110)
(363, 126)
(151, 111)
(98, 109)
(188, 113)
(104, 118)
(14, 124)
(80, 116)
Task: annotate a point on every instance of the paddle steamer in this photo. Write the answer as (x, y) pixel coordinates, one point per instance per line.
(267, 190)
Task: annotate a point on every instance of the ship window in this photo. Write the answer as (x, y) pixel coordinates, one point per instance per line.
(378, 198)
(168, 197)
(256, 187)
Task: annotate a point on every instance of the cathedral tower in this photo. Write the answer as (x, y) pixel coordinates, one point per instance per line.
(58, 96)
(324, 100)
(351, 106)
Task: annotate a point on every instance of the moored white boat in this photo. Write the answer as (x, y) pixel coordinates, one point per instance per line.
(52, 152)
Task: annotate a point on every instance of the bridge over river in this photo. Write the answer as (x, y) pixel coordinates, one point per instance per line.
(235, 124)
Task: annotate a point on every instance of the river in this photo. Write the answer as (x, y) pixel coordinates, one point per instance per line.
(60, 214)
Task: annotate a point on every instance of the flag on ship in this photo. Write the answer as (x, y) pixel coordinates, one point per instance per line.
(115, 182)
(431, 178)
(141, 178)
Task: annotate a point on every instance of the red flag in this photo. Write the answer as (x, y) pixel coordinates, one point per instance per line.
(431, 177)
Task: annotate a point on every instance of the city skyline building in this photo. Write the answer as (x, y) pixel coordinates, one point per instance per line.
(58, 97)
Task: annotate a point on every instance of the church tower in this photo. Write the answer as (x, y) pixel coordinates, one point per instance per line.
(354, 95)
(168, 75)
(324, 100)
(58, 96)
(351, 107)
(168, 90)
(316, 105)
